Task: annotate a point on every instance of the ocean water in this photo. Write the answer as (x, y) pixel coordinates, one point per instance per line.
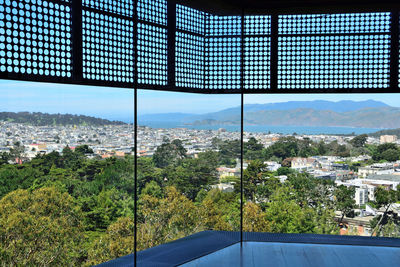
(265, 128)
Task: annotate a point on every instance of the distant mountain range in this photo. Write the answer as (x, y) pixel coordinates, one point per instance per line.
(363, 114)
(45, 119)
(347, 113)
(386, 132)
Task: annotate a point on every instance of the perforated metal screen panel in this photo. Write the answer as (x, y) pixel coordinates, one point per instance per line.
(152, 55)
(190, 47)
(120, 7)
(190, 20)
(108, 48)
(35, 38)
(189, 60)
(156, 44)
(257, 52)
(153, 11)
(223, 52)
(334, 51)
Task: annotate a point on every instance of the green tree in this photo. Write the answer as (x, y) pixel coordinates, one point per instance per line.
(254, 219)
(322, 148)
(285, 215)
(13, 177)
(344, 200)
(213, 216)
(252, 149)
(191, 175)
(40, 228)
(359, 140)
(166, 219)
(383, 199)
(285, 148)
(83, 149)
(266, 189)
(17, 151)
(71, 159)
(169, 153)
(284, 171)
(117, 242)
(4, 158)
(387, 151)
(105, 208)
(229, 151)
(152, 189)
(254, 175)
(390, 155)
(226, 206)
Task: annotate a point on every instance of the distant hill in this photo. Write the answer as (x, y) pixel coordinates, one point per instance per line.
(44, 119)
(386, 132)
(317, 105)
(228, 114)
(347, 113)
(384, 117)
(340, 106)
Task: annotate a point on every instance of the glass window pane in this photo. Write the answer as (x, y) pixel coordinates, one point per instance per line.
(320, 163)
(189, 168)
(66, 174)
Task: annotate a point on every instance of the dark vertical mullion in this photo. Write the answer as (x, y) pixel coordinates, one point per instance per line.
(77, 46)
(394, 51)
(4, 75)
(135, 171)
(274, 53)
(135, 88)
(241, 123)
(205, 58)
(171, 13)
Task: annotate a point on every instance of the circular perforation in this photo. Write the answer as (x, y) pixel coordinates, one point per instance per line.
(223, 63)
(334, 62)
(108, 52)
(152, 55)
(189, 19)
(257, 62)
(3, 66)
(122, 7)
(228, 25)
(153, 11)
(36, 38)
(189, 60)
(334, 23)
(257, 25)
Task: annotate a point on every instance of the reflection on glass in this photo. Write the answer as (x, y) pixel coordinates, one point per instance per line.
(188, 176)
(324, 165)
(66, 174)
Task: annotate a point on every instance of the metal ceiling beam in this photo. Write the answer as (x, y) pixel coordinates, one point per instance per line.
(270, 7)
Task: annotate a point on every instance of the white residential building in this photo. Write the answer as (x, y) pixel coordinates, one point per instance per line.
(388, 139)
(376, 169)
(272, 165)
(304, 164)
(361, 195)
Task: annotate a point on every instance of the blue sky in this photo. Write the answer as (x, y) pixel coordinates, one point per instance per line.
(117, 103)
